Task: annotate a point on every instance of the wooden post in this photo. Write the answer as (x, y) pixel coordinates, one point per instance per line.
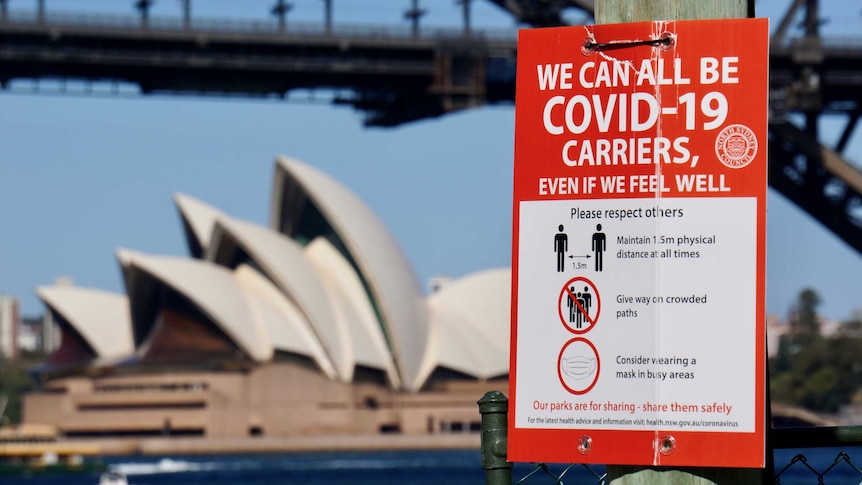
(621, 11)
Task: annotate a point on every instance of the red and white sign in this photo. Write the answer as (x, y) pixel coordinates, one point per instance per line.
(638, 318)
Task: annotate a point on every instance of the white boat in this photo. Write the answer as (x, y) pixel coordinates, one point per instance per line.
(112, 477)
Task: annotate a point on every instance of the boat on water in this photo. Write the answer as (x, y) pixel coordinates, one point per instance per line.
(29, 449)
(113, 477)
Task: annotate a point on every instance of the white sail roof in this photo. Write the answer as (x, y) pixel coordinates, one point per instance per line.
(353, 307)
(328, 283)
(286, 327)
(213, 289)
(471, 318)
(198, 220)
(387, 274)
(284, 262)
(101, 318)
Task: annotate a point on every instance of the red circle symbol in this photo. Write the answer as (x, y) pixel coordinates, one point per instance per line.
(578, 366)
(577, 299)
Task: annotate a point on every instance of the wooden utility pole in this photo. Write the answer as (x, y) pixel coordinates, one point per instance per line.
(622, 11)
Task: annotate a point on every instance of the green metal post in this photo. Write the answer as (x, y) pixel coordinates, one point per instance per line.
(494, 408)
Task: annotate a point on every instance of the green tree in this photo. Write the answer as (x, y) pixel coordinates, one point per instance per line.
(811, 371)
(804, 324)
(14, 383)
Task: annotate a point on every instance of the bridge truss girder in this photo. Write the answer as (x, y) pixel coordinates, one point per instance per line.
(817, 179)
(543, 13)
(398, 79)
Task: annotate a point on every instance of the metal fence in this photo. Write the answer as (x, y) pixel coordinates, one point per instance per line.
(790, 468)
(837, 470)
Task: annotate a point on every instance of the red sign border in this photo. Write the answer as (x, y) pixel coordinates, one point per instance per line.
(615, 447)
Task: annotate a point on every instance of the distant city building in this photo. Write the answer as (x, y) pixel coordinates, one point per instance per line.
(10, 324)
(30, 336)
(50, 333)
(775, 330)
(314, 325)
(829, 328)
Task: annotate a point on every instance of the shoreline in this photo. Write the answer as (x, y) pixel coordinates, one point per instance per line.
(291, 444)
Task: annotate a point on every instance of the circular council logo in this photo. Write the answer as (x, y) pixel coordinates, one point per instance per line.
(736, 146)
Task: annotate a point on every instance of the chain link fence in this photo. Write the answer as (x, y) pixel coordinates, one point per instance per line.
(571, 474)
(841, 470)
(798, 471)
(824, 460)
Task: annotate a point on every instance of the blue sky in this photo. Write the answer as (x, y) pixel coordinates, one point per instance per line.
(83, 175)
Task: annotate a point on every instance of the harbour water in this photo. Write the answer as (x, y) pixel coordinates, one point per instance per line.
(418, 467)
(456, 467)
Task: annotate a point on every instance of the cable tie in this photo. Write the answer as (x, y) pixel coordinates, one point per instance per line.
(666, 41)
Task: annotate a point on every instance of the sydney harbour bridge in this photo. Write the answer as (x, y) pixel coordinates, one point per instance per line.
(411, 71)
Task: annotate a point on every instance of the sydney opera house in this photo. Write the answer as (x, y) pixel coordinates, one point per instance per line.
(314, 325)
